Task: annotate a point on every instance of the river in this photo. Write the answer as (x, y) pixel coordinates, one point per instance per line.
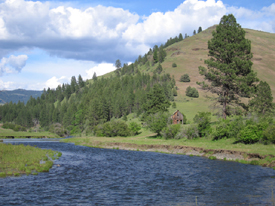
(94, 176)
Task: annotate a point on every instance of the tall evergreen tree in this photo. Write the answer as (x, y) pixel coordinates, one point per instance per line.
(229, 68)
(180, 37)
(81, 83)
(156, 101)
(200, 29)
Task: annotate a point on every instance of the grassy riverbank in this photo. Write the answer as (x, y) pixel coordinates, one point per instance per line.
(20, 159)
(9, 133)
(224, 149)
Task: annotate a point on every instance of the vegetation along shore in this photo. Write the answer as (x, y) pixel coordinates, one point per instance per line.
(20, 159)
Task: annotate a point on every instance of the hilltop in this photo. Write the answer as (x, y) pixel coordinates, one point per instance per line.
(191, 52)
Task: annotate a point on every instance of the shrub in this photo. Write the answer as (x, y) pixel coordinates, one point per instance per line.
(112, 129)
(185, 78)
(175, 93)
(158, 69)
(17, 128)
(192, 92)
(174, 65)
(134, 128)
(203, 120)
(269, 133)
(249, 134)
(156, 122)
(190, 132)
(228, 128)
(171, 131)
(58, 129)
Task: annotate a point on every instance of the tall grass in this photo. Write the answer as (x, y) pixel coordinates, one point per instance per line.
(21, 159)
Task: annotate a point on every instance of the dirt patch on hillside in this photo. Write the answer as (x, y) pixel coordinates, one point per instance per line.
(197, 49)
(173, 49)
(257, 59)
(177, 53)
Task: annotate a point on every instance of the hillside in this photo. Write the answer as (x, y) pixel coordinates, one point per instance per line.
(18, 95)
(191, 52)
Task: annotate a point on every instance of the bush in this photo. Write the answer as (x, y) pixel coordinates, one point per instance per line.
(269, 134)
(158, 69)
(156, 122)
(134, 128)
(174, 65)
(203, 120)
(192, 92)
(190, 132)
(228, 128)
(58, 129)
(185, 78)
(171, 131)
(175, 93)
(253, 130)
(112, 129)
(249, 134)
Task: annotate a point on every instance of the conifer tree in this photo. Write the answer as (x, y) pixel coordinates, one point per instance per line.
(180, 37)
(229, 68)
(156, 101)
(200, 29)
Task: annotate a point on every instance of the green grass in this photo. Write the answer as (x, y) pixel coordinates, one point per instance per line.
(148, 138)
(4, 133)
(20, 159)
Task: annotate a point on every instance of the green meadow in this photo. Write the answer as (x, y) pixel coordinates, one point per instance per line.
(20, 159)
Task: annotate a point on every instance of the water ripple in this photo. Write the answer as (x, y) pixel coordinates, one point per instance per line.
(92, 176)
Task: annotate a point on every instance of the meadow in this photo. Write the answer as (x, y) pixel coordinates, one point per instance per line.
(20, 159)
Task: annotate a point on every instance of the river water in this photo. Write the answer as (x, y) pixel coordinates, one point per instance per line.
(93, 176)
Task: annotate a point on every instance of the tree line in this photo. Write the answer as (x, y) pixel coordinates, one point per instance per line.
(81, 106)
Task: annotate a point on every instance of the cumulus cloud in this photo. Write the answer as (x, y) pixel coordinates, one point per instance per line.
(100, 69)
(54, 82)
(12, 64)
(104, 34)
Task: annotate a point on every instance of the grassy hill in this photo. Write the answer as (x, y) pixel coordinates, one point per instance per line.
(190, 53)
(18, 95)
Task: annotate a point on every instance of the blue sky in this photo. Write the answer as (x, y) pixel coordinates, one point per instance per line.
(44, 43)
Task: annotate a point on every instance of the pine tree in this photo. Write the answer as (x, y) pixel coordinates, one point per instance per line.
(94, 76)
(156, 101)
(200, 29)
(81, 83)
(180, 37)
(229, 68)
(194, 32)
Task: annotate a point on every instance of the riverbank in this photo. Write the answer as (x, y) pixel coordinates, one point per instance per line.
(10, 134)
(256, 154)
(20, 159)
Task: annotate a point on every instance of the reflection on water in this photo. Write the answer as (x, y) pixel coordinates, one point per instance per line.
(92, 176)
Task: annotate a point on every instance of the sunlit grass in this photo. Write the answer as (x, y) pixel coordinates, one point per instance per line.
(21, 159)
(4, 133)
(147, 138)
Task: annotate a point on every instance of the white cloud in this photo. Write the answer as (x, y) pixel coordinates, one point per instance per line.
(7, 85)
(104, 34)
(100, 69)
(54, 82)
(190, 15)
(12, 64)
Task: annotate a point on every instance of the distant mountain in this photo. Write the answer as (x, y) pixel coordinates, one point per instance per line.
(18, 95)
